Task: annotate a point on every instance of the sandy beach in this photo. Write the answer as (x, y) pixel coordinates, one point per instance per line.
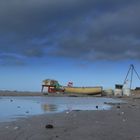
(121, 122)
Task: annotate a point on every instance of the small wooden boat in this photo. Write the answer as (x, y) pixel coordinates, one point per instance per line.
(83, 90)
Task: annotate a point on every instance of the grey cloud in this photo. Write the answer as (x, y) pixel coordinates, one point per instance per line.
(11, 60)
(33, 52)
(78, 29)
(110, 36)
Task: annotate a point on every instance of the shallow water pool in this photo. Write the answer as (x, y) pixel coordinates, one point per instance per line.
(12, 108)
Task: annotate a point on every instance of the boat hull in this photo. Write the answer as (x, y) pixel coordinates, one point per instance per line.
(84, 90)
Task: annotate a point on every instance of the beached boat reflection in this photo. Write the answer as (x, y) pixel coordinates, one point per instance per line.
(12, 108)
(49, 107)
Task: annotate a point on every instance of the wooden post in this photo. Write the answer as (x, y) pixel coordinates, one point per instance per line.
(42, 88)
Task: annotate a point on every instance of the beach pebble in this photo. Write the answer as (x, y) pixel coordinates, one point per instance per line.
(133, 105)
(49, 126)
(11, 100)
(96, 106)
(124, 120)
(67, 112)
(122, 113)
(7, 127)
(27, 112)
(16, 127)
(118, 106)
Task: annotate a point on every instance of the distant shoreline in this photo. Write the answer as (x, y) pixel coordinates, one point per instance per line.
(135, 94)
(32, 93)
(19, 93)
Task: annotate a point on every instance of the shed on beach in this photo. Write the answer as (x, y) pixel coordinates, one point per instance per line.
(51, 86)
(49, 82)
(118, 90)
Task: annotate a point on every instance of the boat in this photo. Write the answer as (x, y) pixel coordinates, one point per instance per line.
(84, 90)
(53, 86)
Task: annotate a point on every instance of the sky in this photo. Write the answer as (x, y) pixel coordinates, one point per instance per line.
(88, 42)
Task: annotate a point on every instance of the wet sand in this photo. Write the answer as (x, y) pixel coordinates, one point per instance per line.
(122, 122)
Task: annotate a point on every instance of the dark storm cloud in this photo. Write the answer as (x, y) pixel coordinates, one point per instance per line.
(112, 35)
(83, 29)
